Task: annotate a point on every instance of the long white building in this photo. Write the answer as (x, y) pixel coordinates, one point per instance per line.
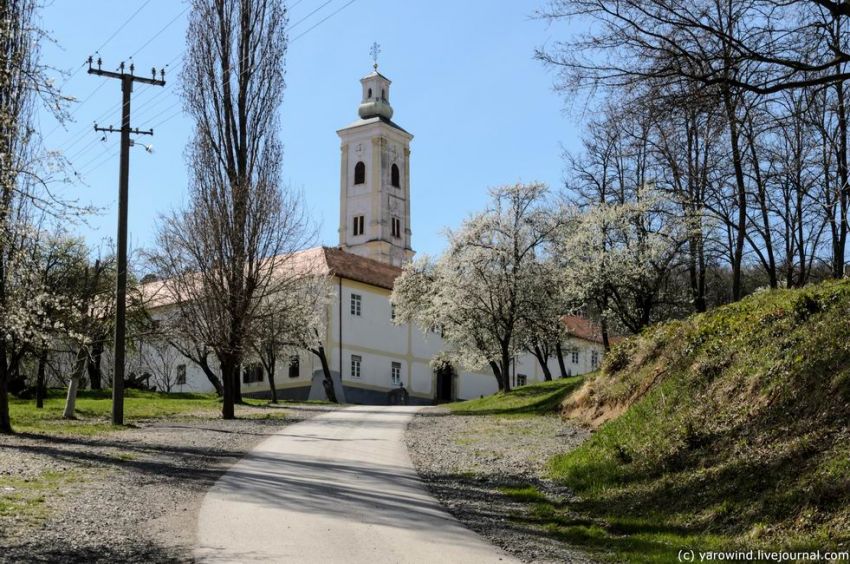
(369, 354)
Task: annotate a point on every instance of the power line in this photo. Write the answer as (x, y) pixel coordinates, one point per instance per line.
(136, 52)
(169, 118)
(104, 44)
(147, 89)
(97, 161)
(101, 117)
(107, 151)
(140, 108)
(101, 85)
(310, 14)
(155, 104)
(305, 32)
(82, 151)
(323, 20)
(160, 32)
(122, 26)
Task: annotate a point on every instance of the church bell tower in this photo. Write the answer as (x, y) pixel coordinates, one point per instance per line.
(374, 219)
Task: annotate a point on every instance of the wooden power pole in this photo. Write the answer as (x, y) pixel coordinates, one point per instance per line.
(127, 81)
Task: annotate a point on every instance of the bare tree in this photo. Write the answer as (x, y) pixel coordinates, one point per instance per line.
(294, 319)
(778, 44)
(159, 358)
(175, 327)
(687, 143)
(726, 60)
(219, 257)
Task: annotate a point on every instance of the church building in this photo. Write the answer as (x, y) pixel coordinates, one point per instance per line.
(368, 353)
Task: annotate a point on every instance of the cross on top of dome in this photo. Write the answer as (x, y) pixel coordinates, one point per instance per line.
(374, 51)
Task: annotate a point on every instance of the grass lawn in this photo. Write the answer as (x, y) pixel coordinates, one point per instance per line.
(533, 399)
(94, 408)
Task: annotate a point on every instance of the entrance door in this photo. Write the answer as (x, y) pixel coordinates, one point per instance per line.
(445, 376)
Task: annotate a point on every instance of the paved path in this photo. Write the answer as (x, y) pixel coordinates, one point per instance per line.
(336, 488)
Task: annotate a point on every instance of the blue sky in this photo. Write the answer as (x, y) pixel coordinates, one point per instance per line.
(482, 111)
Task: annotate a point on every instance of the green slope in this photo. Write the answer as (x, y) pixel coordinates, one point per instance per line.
(534, 399)
(728, 430)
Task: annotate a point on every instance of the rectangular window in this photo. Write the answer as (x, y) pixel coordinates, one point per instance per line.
(358, 225)
(355, 366)
(181, 375)
(575, 356)
(252, 373)
(294, 366)
(392, 312)
(594, 359)
(396, 373)
(396, 227)
(521, 379)
(356, 304)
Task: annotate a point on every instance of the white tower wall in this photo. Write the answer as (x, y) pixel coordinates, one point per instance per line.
(379, 144)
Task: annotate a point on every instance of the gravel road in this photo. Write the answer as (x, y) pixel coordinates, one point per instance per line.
(129, 496)
(464, 460)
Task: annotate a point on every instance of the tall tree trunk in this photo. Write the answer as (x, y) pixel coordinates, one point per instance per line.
(844, 178)
(237, 384)
(74, 384)
(211, 376)
(803, 276)
(505, 367)
(5, 422)
(95, 373)
(696, 269)
(228, 367)
(741, 196)
(330, 391)
(543, 360)
(701, 270)
(559, 352)
(40, 390)
(603, 327)
(764, 208)
(272, 386)
(497, 372)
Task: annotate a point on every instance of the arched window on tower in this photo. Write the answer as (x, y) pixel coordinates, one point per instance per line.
(360, 173)
(369, 95)
(394, 180)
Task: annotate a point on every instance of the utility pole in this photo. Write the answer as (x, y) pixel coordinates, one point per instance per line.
(127, 81)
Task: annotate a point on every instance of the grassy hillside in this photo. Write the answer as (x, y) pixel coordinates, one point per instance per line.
(533, 399)
(728, 429)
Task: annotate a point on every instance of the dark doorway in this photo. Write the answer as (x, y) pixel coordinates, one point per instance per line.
(445, 383)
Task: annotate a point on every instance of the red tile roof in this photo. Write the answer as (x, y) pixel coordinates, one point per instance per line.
(331, 261)
(583, 328)
(361, 269)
